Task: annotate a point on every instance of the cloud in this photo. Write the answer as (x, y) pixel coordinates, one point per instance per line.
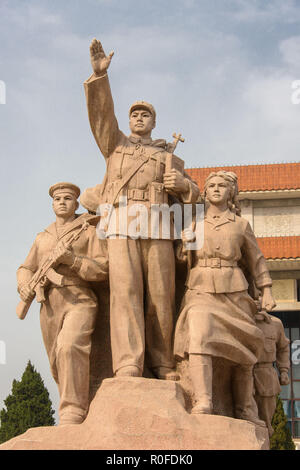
(271, 117)
(261, 11)
(70, 46)
(203, 82)
(290, 52)
(29, 16)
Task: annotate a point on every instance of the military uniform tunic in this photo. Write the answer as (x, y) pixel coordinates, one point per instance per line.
(217, 317)
(276, 351)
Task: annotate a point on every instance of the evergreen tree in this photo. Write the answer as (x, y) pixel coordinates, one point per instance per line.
(27, 406)
(281, 438)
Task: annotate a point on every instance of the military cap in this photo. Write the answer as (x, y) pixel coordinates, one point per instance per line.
(90, 198)
(143, 105)
(65, 187)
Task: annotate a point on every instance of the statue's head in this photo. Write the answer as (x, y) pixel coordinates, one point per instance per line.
(228, 189)
(142, 117)
(64, 197)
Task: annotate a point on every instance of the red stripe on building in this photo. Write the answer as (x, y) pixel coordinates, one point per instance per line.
(256, 177)
(280, 247)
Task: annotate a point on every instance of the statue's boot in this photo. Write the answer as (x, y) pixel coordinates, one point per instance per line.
(200, 368)
(71, 418)
(128, 371)
(244, 403)
(165, 373)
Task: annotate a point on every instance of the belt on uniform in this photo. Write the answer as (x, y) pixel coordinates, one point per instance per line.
(263, 365)
(138, 194)
(215, 263)
(72, 281)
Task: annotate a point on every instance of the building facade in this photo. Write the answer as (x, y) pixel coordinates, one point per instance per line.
(270, 201)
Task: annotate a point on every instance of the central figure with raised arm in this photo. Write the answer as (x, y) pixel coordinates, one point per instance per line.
(141, 269)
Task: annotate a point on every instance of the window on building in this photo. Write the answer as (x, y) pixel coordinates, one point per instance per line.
(298, 290)
(290, 394)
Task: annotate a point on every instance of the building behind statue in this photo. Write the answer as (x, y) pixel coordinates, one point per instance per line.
(270, 201)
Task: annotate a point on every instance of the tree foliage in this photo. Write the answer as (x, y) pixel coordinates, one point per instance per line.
(27, 406)
(281, 438)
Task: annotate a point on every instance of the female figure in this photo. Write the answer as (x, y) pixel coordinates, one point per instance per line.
(217, 318)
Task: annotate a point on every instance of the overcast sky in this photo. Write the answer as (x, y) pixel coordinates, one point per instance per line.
(218, 71)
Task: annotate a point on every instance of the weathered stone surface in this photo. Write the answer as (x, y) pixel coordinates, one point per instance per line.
(144, 414)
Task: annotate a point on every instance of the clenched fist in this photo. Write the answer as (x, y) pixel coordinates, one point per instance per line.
(26, 293)
(174, 181)
(63, 255)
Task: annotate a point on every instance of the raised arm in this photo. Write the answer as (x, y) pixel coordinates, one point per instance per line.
(99, 100)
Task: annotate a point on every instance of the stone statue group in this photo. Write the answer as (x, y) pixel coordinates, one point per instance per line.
(223, 313)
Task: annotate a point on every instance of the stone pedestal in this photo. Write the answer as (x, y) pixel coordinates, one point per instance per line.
(143, 414)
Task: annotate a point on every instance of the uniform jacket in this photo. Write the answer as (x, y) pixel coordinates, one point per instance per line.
(228, 238)
(122, 153)
(276, 351)
(91, 263)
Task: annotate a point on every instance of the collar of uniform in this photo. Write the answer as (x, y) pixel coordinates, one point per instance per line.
(153, 143)
(140, 140)
(80, 218)
(227, 215)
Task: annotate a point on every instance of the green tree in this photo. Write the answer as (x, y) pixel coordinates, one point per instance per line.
(27, 406)
(281, 438)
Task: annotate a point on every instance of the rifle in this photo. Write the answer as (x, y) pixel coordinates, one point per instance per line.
(46, 271)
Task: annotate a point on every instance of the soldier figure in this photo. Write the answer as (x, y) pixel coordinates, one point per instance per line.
(141, 271)
(68, 312)
(266, 381)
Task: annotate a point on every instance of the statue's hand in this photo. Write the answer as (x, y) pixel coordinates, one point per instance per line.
(284, 378)
(100, 62)
(267, 301)
(263, 315)
(26, 293)
(175, 181)
(188, 235)
(63, 255)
